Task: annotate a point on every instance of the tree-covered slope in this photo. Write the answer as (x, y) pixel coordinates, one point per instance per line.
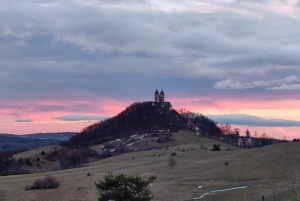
(138, 117)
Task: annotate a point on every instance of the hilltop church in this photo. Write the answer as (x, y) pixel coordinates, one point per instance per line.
(159, 98)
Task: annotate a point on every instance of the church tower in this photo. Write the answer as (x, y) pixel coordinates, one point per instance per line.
(162, 96)
(156, 96)
(159, 97)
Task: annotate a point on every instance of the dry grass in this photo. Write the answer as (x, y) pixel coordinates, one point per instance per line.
(37, 152)
(252, 167)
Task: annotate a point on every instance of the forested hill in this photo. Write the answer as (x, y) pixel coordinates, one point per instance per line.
(138, 117)
(143, 117)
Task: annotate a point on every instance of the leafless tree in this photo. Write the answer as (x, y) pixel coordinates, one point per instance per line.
(172, 162)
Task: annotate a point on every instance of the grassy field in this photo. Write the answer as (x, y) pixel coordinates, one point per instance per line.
(256, 168)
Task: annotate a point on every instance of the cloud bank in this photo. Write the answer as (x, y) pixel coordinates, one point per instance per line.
(79, 117)
(24, 120)
(253, 121)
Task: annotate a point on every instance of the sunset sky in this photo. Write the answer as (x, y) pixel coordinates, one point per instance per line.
(65, 64)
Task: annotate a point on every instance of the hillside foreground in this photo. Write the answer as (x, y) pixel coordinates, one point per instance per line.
(258, 169)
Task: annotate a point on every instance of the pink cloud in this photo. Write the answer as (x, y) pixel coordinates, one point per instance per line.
(42, 111)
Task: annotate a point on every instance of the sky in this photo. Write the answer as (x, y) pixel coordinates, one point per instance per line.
(65, 64)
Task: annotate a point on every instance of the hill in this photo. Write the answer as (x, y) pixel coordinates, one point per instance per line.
(138, 117)
(144, 117)
(258, 169)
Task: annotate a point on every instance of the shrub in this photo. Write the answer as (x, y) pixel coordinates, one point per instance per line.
(20, 160)
(226, 163)
(38, 159)
(216, 147)
(88, 174)
(56, 152)
(75, 157)
(124, 187)
(50, 182)
(160, 140)
(173, 154)
(38, 184)
(47, 182)
(28, 162)
(42, 153)
(172, 162)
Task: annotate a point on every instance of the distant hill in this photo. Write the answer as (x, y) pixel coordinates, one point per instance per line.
(138, 117)
(30, 141)
(61, 136)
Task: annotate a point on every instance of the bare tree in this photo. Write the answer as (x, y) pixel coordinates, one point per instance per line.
(75, 157)
(172, 162)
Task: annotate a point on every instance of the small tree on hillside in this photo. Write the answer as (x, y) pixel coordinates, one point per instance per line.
(75, 157)
(172, 162)
(216, 147)
(123, 187)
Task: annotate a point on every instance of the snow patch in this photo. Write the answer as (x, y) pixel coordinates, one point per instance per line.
(222, 190)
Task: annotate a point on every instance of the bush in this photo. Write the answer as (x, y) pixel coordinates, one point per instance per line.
(226, 163)
(56, 152)
(75, 157)
(160, 140)
(28, 162)
(38, 184)
(124, 187)
(173, 154)
(20, 160)
(47, 182)
(38, 159)
(50, 182)
(42, 153)
(216, 147)
(88, 174)
(172, 162)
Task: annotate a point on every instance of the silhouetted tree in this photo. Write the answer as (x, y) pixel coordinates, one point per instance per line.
(216, 147)
(123, 187)
(172, 162)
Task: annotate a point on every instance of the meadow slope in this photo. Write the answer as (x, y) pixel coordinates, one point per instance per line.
(256, 168)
